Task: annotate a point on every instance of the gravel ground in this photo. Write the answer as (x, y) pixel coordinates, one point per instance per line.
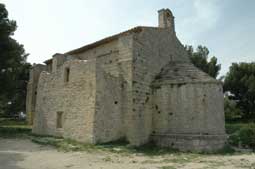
(24, 154)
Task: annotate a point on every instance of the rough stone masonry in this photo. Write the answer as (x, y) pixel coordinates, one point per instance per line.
(138, 85)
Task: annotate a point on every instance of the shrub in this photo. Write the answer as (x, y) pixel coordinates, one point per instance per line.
(234, 139)
(232, 128)
(14, 131)
(243, 136)
(232, 112)
(247, 136)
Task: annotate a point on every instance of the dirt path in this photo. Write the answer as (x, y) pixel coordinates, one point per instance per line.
(24, 154)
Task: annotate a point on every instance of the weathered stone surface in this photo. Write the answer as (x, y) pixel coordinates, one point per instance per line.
(190, 142)
(32, 90)
(138, 85)
(74, 98)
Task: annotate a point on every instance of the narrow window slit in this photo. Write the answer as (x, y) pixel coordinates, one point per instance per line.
(67, 74)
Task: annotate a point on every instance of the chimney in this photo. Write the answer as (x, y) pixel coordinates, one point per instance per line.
(166, 19)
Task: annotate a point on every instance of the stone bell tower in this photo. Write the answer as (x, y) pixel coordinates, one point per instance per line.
(166, 19)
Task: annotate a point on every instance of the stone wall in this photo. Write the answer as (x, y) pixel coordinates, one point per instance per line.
(189, 116)
(32, 91)
(96, 100)
(153, 48)
(113, 90)
(113, 87)
(192, 108)
(188, 109)
(57, 61)
(190, 142)
(108, 117)
(75, 99)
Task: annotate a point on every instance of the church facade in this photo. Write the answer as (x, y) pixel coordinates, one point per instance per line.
(138, 85)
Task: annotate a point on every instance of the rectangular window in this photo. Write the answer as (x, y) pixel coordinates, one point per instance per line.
(59, 119)
(67, 74)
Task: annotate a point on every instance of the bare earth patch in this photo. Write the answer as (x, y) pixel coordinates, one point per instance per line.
(24, 154)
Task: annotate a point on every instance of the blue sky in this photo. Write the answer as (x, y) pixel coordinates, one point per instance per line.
(45, 27)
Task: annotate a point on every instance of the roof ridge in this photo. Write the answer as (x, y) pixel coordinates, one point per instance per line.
(136, 29)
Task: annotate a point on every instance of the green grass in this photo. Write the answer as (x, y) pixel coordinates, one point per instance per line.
(7, 132)
(63, 144)
(12, 122)
(120, 147)
(13, 128)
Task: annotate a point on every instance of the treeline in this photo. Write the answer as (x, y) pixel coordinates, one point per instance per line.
(14, 69)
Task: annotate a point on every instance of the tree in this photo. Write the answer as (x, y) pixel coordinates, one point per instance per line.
(232, 112)
(200, 59)
(240, 82)
(13, 67)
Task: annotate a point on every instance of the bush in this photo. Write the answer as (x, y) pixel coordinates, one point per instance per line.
(242, 135)
(232, 128)
(14, 131)
(234, 139)
(232, 112)
(247, 136)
